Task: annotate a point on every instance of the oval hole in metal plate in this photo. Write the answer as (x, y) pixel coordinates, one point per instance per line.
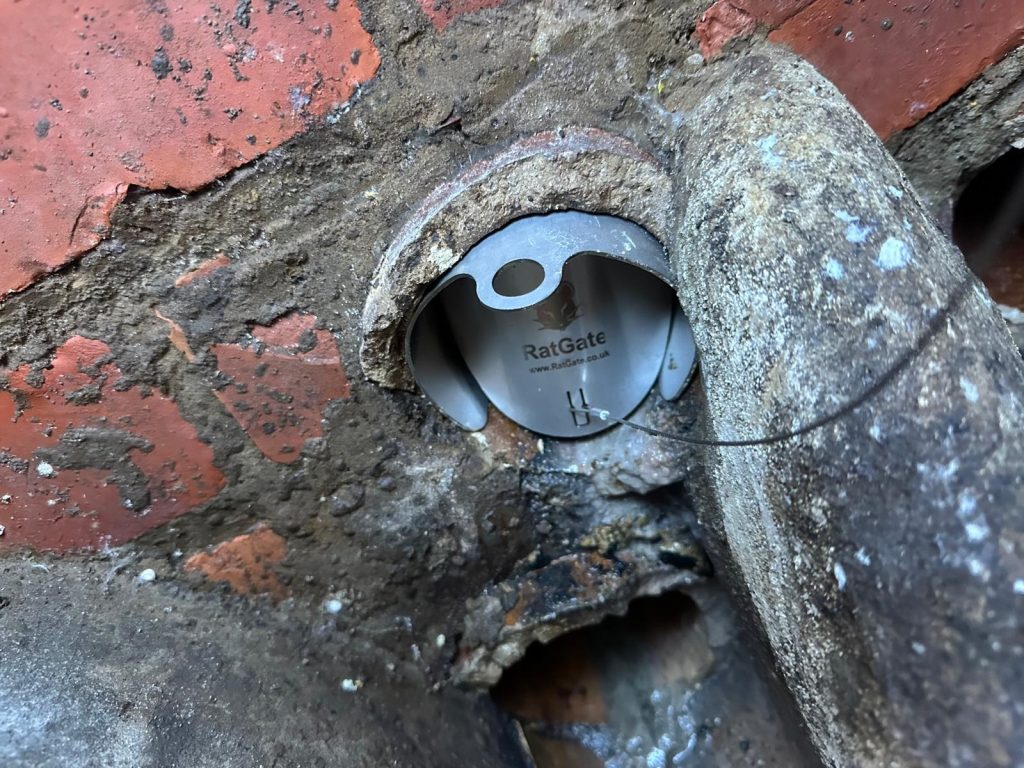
(517, 278)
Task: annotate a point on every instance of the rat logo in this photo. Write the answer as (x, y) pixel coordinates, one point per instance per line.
(559, 310)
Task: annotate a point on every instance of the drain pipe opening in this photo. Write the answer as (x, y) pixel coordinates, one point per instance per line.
(670, 683)
(974, 217)
(564, 322)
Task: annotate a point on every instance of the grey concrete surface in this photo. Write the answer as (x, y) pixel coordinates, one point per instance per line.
(98, 670)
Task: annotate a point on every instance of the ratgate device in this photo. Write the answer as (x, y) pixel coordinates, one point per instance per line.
(550, 315)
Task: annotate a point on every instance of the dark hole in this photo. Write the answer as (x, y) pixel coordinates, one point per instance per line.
(612, 691)
(653, 689)
(981, 203)
(519, 277)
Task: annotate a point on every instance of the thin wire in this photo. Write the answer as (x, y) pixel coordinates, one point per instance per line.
(1004, 227)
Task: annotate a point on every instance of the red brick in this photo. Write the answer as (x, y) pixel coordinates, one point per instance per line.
(246, 563)
(206, 268)
(177, 337)
(722, 22)
(116, 446)
(443, 12)
(278, 395)
(727, 20)
(771, 13)
(109, 93)
(897, 76)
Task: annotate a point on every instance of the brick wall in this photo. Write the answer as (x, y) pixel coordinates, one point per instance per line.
(119, 96)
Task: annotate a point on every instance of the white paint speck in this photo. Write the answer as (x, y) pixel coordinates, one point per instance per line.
(5, 499)
(656, 758)
(919, 648)
(834, 269)
(894, 254)
(1018, 587)
(767, 146)
(147, 576)
(975, 524)
(45, 469)
(876, 432)
(351, 685)
(939, 472)
(855, 230)
(840, 574)
(976, 567)
(969, 389)
(948, 471)
(440, 640)
(857, 233)
(895, 192)
(968, 505)
(3, 530)
(333, 606)
(862, 556)
(976, 532)
(298, 99)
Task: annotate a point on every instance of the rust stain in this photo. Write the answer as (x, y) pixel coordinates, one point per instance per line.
(507, 441)
(575, 578)
(279, 384)
(589, 573)
(526, 595)
(246, 563)
(113, 93)
(898, 62)
(443, 12)
(86, 462)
